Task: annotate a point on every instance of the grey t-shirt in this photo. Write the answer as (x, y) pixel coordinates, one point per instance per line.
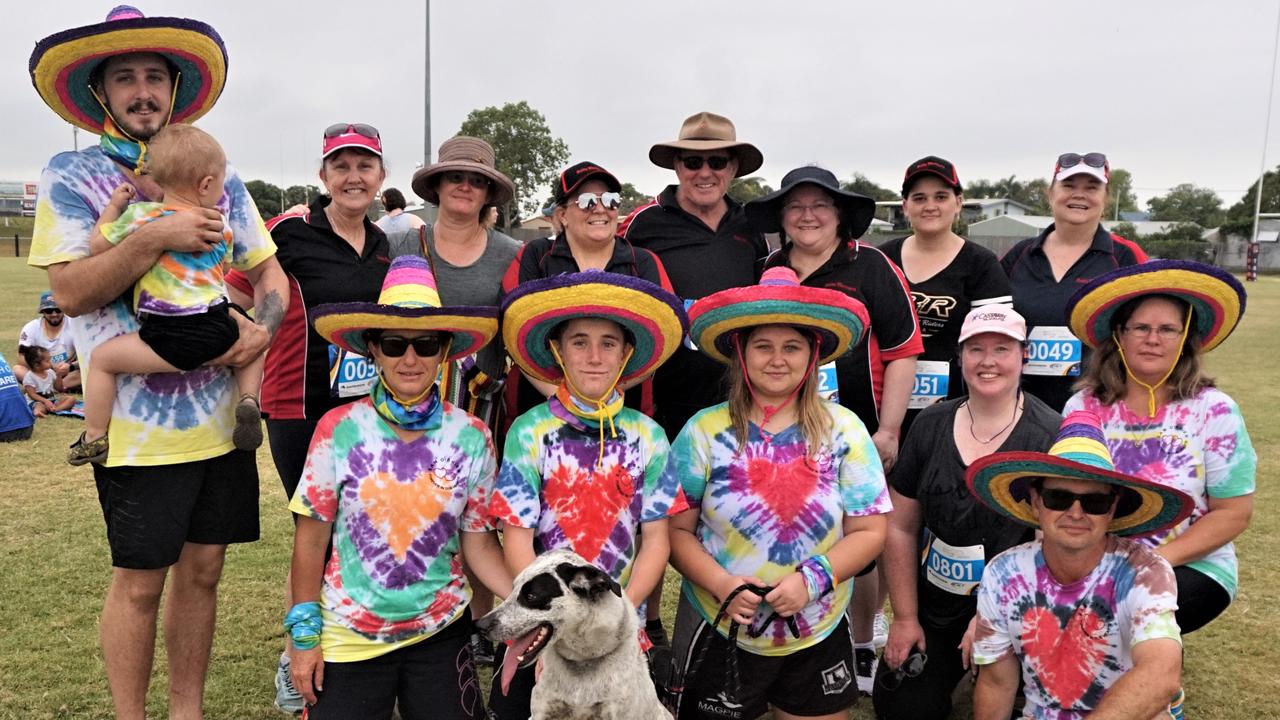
(479, 283)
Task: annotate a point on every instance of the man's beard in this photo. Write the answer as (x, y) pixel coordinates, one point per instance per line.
(55, 323)
(139, 133)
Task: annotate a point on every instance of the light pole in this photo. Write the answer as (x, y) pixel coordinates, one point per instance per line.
(1251, 267)
(426, 114)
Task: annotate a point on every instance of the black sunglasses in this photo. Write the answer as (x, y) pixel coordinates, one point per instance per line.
(51, 311)
(911, 667)
(695, 162)
(1060, 500)
(1093, 159)
(368, 131)
(457, 177)
(424, 346)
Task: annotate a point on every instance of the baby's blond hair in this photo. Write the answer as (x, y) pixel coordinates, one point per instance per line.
(180, 156)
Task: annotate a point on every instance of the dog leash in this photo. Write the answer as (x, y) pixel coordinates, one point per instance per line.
(733, 681)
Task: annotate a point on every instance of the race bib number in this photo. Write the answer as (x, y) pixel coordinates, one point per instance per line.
(350, 375)
(59, 358)
(933, 377)
(957, 570)
(1052, 351)
(828, 383)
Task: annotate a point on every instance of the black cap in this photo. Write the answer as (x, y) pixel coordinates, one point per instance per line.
(574, 175)
(932, 165)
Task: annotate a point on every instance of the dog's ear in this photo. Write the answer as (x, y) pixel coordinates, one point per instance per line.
(538, 592)
(587, 581)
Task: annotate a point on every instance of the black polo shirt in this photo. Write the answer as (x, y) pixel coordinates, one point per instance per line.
(700, 261)
(321, 268)
(1042, 300)
(548, 257)
(864, 273)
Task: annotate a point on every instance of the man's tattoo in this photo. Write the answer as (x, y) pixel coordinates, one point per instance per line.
(270, 312)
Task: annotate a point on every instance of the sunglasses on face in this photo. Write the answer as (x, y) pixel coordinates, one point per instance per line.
(911, 667)
(50, 312)
(1093, 159)
(368, 131)
(610, 200)
(457, 177)
(1060, 500)
(424, 346)
(695, 162)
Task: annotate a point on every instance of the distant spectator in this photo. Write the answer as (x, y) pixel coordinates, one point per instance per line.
(397, 220)
(16, 420)
(50, 332)
(37, 384)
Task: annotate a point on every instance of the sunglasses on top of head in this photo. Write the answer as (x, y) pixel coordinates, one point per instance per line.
(1093, 160)
(695, 162)
(1060, 500)
(458, 177)
(424, 346)
(610, 200)
(338, 129)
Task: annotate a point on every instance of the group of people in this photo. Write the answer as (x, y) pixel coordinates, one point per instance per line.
(443, 403)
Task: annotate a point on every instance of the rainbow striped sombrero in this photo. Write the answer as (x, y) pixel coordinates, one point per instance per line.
(653, 316)
(779, 299)
(1216, 296)
(408, 301)
(1002, 480)
(61, 64)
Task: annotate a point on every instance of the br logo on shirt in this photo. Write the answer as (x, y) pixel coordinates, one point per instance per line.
(937, 306)
(836, 678)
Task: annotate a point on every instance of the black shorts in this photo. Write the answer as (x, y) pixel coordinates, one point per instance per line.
(189, 341)
(290, 440)
(151, 511)
(434, 679)
(817, 680)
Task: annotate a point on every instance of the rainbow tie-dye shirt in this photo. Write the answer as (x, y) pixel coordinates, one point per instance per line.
(1073, 641)
(180, 283)
(1198, 445)
(550, 482)
(165, 418)
(395, 575)
(767, 507)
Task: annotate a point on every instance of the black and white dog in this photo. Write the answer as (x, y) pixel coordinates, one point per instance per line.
(575, 617)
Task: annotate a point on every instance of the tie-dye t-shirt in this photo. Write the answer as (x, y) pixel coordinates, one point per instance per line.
(395, 576)
(1073, 641)
(550, 482)
(180, 283)
(1198, 445)
(165, 418)
(767, 507)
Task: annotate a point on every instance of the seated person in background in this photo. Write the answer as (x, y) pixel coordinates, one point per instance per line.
(38, 384)
(181, 301)
(16, 420)
(1086, 615)
(50, 332)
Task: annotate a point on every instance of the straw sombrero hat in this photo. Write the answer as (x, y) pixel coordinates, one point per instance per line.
(62, 63)
(779, 299)
(1216, 296)
(654, 317)
(408, 301)
(1002, 480)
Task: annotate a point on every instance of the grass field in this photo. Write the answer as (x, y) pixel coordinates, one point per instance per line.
(54, 565)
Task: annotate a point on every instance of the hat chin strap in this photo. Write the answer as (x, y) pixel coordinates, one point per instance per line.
(606, 406)
(411, 402)
(116, 139)
(769, 411)
(1151, 389)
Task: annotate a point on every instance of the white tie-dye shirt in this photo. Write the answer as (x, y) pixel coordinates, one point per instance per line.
(160, 419)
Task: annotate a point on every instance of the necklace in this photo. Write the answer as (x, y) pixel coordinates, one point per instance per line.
(988, 441)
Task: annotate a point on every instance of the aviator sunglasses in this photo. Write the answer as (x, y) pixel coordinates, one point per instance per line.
(911, 667)
(1060, 500)
(610, 200)
(424, 346)
(695, 162)
(368, 131)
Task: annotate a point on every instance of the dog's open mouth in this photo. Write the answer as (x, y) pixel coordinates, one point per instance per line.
(523, 652)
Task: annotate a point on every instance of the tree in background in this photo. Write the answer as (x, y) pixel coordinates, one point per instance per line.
(1181, 241)
(1126, 230)
(524, 149)
(1188, 203)
(748, 188)
(862, 184)
(632, 199)
(302, 195)
(1033, 193)
(266, 196)
(1239, 217)
(1120, 190)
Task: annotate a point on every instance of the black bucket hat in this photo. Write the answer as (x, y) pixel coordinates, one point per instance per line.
(856, 211)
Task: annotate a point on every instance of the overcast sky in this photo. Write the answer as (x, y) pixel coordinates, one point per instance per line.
(1173, 90)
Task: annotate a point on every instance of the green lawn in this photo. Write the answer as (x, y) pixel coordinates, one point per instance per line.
(54, 566)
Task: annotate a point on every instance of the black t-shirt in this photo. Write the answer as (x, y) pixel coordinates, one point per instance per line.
(973, 278)
(865, 274)
(1042, 299)
(700, 261)
(930, 471)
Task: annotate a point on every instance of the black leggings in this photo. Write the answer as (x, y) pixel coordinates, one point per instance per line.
(290, 440)
(1200, 598)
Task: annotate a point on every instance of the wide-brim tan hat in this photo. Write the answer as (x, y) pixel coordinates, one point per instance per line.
(708, 131)
(467, 154)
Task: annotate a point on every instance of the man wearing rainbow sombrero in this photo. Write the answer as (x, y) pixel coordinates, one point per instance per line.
(581, 471)
(174, 491)
(1086, 615)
